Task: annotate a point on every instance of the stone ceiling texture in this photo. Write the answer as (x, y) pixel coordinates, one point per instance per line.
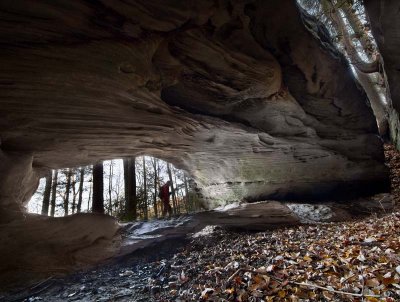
(239, 93)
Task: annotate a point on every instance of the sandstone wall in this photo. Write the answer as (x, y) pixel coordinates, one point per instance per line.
(238, 93)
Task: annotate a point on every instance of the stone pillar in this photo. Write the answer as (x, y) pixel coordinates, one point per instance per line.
(18, 182)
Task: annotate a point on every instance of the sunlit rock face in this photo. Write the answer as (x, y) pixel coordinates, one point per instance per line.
(385, 23)
(238, 93)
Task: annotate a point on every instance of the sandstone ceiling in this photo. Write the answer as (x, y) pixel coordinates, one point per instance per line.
(241, 94)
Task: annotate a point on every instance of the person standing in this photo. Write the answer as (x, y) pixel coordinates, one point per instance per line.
(164, 195)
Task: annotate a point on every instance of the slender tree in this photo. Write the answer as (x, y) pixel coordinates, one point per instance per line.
(351, 33)
(116, 189)
(362, 68)
(98, 188)
(53, 193)
(125, 162)
(90, 192)
(187, 203)
(67, 190)
(177, 190)
(81, 180)
(46, 195)
(155, 167)
(172, 187)
(74, 193)
(110, 179)
(132, 209)
(145, 209)
(130, 188)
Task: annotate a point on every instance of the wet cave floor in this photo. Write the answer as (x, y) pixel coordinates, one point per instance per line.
(358, 260)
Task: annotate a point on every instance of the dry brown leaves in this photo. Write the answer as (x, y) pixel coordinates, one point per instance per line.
(360, 259)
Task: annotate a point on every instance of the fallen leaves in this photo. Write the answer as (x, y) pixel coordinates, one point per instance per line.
(354, 261)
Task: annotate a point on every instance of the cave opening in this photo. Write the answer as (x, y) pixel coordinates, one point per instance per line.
(70, 190)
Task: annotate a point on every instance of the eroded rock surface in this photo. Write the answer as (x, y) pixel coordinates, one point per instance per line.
(38, 247)
(385, 23)
(239, 93)
(253, 104)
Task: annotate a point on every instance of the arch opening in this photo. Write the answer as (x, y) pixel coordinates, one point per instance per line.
(68, 191)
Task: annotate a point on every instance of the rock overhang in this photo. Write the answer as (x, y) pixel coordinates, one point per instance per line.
(239, 94)
(253, 104)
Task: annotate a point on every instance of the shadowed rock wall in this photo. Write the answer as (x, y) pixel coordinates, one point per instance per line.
(239, 93)
(385, 23)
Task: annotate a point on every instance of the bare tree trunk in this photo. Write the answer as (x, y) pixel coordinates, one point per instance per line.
(67, 189)
(155, 187)
(172, 186)
(130, 188)
(377, 105)
(186, 193)
(98, 188)
(81, 178)
(90, 193)
(110, 188)
(178, 201)
(126, 181)
(73, 183)
(145, 212)
(358, 27)
(133, 203)
(355, 59)
(46, 195)
(117, 190)
(53, 193)
(362, 69)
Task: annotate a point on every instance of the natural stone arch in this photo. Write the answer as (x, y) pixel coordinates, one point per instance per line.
(239, 93)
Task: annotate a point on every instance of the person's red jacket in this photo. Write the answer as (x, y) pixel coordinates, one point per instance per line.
(164, 190)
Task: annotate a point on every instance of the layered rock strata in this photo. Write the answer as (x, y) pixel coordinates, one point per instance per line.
(239, 93)
(248, 96)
